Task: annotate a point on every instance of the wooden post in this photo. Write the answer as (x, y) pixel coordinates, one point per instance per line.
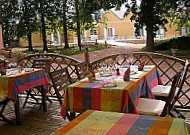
(87, 57)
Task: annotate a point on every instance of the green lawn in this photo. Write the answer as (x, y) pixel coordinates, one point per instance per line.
(68, 52)
(178, 53)
(73, 52)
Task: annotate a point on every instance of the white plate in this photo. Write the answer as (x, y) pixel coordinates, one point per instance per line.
(109, 85)
(106, 75)
(133, 72)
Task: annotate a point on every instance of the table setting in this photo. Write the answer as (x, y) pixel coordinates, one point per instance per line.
(15, 81)
(111, 91)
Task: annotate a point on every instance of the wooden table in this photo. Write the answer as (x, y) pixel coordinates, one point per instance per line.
(84, 95)
(12, 85)
(112, 123)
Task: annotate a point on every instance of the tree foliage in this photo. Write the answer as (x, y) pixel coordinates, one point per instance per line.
(28, 22)
(153, 14)
(10, 17)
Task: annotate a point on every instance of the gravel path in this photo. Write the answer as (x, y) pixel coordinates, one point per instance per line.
(113, 50)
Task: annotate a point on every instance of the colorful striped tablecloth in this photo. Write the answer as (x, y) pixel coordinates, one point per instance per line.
(112, 123)
(12, 85)
(84, 95)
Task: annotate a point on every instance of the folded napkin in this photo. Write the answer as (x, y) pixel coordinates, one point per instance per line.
(90, 74)
(141, 65)
(3, 70)
(126, 76)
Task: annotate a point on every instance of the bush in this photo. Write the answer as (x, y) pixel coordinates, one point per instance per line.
(181, 43)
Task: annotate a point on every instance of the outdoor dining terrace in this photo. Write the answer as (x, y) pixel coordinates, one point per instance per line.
(109, 97)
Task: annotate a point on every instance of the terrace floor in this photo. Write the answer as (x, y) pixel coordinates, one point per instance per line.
(33, 120)
(36, 122)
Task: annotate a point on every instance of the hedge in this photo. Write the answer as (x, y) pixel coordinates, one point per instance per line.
(181, 43)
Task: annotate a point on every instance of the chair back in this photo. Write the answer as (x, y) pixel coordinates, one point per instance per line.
(81, 70)
(182, 79)
(60, 80)
(171, 97)
(42, 63)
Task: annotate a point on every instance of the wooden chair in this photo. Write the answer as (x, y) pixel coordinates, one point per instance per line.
(38, 63)
(81, 70)
(60, 79)
(161, 92)
(42, 63)
(159, 107)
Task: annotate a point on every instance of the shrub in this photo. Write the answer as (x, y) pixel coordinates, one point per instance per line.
(181, 43)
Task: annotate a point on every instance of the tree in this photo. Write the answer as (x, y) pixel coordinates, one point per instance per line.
(152, 14)
(10, 16)
(65, 24)
(62, 10)
(180, 16)
(47, 11)
(84, 16)
(28, 22)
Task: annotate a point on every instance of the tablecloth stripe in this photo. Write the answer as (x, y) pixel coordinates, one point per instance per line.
(176, 126)
(4, 87)
(143, 125)
(96, 98)
(123, 125)
(31, 77)
(163, 124)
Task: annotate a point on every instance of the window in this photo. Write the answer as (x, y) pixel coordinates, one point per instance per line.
(110, 32)
(160, 32)
(93, 32)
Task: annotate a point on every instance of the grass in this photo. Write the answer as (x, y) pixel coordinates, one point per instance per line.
(73, 52)
(178, 53)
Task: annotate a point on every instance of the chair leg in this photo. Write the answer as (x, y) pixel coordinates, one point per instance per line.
(70, 116)
(48, 99)
(4, 103)
(17, 112)
(58, 97)
(44, 99)
(25, 101)
(29, 94)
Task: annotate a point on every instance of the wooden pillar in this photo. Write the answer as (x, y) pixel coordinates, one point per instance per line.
(87, 57)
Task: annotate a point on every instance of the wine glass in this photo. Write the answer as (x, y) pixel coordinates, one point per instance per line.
(119, 61)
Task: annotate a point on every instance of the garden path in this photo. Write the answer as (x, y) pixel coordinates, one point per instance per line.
(112, 50)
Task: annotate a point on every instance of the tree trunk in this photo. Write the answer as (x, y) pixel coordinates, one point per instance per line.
(150, 39)
(29, 36)
(43, 25)
(65, 25)
(78, 24)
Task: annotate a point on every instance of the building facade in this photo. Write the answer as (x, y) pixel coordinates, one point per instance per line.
(117, 27)
(113, 26)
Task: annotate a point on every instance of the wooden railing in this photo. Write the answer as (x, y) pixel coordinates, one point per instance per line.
(167, 66)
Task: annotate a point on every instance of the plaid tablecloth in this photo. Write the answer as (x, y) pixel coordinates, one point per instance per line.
(84, 95)
(111, 123)
(12, 85)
